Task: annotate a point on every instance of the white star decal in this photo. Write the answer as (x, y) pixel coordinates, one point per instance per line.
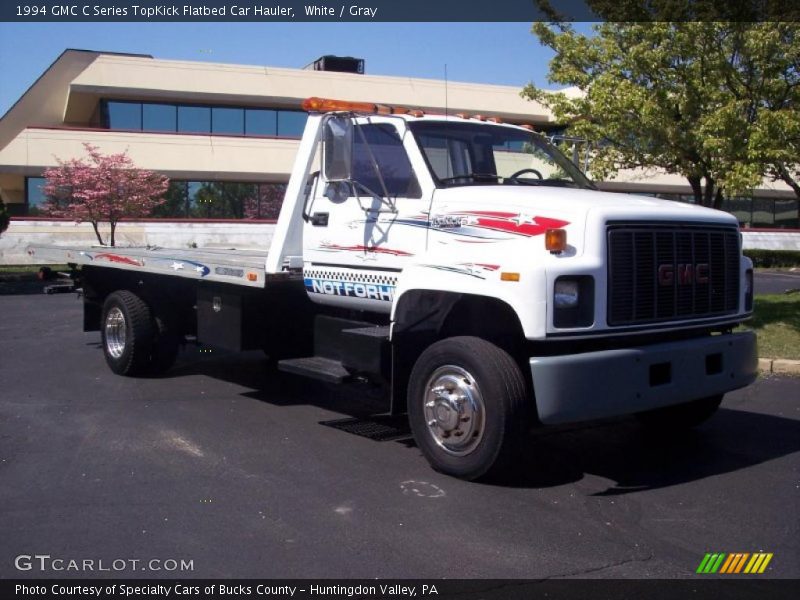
(177, 266)
(523, 219)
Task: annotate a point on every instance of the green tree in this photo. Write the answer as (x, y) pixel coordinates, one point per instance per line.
(4, 218)
(670, 95)
(764, 86)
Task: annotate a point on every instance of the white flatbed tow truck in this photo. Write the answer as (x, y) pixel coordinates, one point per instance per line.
(465, 264)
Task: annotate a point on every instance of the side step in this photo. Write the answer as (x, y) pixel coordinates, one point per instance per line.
(315, 367)
(380, 332)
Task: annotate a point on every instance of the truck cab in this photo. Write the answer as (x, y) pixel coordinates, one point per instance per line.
(514, 287)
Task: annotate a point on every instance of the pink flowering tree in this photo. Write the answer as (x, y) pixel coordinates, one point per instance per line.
(102, 188)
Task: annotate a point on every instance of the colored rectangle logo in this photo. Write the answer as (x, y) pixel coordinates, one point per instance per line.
(734, 563)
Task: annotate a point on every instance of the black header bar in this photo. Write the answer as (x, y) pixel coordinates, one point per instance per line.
(711, 587)
(33, 11)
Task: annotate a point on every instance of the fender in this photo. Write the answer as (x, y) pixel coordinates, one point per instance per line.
(526, 296)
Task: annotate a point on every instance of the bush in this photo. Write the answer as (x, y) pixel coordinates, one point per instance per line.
(774, 258)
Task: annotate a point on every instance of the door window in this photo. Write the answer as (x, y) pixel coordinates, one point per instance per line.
(378, 148)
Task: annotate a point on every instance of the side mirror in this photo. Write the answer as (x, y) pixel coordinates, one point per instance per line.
(338, 152)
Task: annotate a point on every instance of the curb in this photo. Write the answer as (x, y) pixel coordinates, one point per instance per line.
(779, 365)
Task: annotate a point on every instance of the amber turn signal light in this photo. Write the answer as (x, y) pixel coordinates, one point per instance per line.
(555, 240)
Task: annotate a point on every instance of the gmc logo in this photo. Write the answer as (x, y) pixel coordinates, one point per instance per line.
(686, 274)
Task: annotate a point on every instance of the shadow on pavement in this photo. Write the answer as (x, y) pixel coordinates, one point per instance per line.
(636, 459)
(619, 450)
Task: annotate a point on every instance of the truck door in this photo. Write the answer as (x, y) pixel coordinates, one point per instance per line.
(362, 232)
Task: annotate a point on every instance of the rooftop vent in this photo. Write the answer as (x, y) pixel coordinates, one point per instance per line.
(341, 64)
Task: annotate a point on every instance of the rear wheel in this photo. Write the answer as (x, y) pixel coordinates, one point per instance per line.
(681, 416)
(135, 342)
(466, 405)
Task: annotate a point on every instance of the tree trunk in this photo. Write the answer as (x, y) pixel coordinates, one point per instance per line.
(97, 233)
(697, 189)
(787, 178)
(113, 232)
(708, 192)
(718, 198)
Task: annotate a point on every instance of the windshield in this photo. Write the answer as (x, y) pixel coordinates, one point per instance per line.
(479, 154)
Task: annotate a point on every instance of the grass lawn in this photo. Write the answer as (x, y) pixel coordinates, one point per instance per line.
(776, 321)
(30, 268)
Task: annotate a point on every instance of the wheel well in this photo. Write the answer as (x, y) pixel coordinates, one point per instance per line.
(423, 317)
(168, 297)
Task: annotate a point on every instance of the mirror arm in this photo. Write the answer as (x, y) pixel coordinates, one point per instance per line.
(384, 199)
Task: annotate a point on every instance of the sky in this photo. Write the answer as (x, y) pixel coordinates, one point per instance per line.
(495, 53)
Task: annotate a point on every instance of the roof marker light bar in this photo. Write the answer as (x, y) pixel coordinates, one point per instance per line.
(323, 105)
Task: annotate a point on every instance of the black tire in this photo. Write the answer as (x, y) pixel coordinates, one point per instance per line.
(135, 343)
(481, 444)
(680, 416)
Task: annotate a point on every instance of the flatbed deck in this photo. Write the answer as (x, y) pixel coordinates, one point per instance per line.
(225, 265)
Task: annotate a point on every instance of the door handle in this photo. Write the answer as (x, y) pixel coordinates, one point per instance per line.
(319, 219)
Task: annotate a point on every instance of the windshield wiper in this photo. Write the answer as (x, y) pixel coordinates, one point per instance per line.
(473, 176)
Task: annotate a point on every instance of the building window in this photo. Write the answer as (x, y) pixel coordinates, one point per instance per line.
(221, 200)
(227, 120)
(159, 117)
(291, 123)
(195, 200)
(34, 195)
(124, 115)
(787, 214)
(260, 122)
(194, 119)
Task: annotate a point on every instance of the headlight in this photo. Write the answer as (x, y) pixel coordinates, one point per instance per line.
(566, 293)
(573, 301)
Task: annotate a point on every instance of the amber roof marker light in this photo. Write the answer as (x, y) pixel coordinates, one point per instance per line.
(326, 105)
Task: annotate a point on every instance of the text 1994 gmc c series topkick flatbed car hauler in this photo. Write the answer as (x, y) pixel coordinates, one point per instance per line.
(468, 265)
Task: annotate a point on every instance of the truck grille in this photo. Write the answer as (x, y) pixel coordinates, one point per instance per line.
(665, 272)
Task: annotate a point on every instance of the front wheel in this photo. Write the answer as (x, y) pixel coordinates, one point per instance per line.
(467, 407)
(680, 416)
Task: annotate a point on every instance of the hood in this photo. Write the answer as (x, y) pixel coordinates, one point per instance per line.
(521, 214)
(558, 202)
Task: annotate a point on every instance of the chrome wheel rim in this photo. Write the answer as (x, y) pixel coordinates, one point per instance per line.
(116, 332)
(454, 410)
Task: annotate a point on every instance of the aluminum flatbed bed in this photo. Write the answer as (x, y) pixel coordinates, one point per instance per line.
(224, 265)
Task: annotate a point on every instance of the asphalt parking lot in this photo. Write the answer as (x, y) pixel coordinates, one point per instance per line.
(232, 467)
(776, 282)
